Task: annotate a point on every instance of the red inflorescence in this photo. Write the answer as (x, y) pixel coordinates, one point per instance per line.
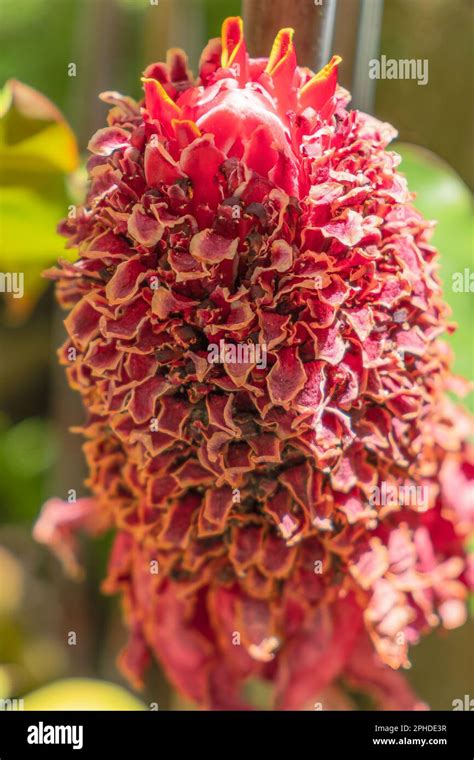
(258, 534)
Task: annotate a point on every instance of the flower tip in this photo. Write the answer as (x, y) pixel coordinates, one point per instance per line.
(232, 23)
(333, 64)
(158, 102)
(322, 86)
(232, 40)
(282, 49)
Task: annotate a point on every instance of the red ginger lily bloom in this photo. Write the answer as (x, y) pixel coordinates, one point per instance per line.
(250, 207)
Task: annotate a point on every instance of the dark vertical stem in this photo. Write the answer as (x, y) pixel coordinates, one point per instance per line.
(174, 23)
(313, 24)
(345, 39)
(96, 53)
(368, 42)
(326, 34)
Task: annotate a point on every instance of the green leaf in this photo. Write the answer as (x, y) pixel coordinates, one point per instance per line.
(37, 150)
(34, 135)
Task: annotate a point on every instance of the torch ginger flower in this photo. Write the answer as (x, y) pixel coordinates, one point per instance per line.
(249, 206)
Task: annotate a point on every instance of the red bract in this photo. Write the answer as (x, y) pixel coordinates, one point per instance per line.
(250, 208)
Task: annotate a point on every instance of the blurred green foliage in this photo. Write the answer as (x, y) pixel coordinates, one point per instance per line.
(27, 456)
(214, 13)
(37, 150)
(438, 115)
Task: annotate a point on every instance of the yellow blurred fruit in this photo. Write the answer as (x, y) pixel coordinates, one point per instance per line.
(82, 694)
(11, 592)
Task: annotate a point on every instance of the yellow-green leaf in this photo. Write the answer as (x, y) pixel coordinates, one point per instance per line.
(37, 152)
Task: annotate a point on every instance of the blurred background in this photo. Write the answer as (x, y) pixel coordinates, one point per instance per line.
(71, 50)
